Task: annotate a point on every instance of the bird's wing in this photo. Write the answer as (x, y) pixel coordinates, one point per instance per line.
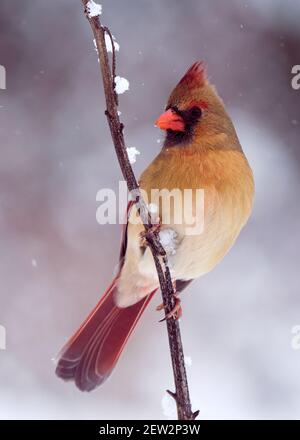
(124, 237)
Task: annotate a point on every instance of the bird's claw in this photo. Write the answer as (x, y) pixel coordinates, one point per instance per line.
(176, 312)
(153, 230)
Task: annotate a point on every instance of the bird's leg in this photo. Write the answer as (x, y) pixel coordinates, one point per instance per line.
(176, 312)
(155, 228)
(176, 294)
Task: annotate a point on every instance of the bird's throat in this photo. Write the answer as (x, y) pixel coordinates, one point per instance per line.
(178, 138)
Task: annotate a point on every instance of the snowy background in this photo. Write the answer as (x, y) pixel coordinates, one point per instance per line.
(56, 153)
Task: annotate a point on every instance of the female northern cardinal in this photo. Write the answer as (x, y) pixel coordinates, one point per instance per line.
(201, 150)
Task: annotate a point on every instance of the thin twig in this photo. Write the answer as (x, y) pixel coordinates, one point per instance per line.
(113, 61)
(181, 395)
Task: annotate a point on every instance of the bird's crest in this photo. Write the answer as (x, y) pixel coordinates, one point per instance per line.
(195, 76)
(193, 81)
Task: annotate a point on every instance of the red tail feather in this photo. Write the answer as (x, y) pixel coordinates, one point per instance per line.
(91, 354)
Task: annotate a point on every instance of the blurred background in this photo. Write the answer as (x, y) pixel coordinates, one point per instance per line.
(56, 153)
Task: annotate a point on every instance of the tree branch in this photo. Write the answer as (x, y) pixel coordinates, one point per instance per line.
(181, 395)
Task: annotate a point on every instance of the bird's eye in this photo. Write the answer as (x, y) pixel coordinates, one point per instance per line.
(196, 112)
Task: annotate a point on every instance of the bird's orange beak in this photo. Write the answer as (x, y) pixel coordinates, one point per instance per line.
(170, 120)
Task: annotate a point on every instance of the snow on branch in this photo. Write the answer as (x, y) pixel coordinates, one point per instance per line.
(93, 9)
(121, 85)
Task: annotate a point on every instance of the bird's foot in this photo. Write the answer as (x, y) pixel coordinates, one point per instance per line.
(152, 231)
(176, 312)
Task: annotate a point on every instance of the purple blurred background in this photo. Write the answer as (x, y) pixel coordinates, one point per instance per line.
(56, 153)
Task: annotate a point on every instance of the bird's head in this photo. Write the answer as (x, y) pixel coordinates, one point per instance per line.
(194, 110)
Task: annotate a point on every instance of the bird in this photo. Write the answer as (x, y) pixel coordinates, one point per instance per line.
(201, 151)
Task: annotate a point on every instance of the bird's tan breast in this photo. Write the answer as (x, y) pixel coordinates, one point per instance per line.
(226, 180)
(224, 175)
